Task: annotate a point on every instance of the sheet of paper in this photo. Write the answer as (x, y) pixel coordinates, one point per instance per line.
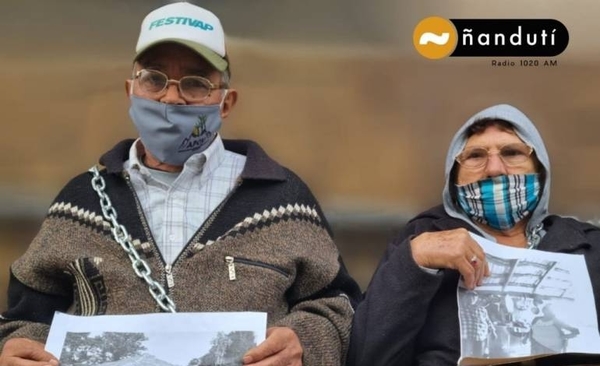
(534, 303)
(163, 339)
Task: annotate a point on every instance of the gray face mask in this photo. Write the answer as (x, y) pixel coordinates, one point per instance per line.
(173, 133)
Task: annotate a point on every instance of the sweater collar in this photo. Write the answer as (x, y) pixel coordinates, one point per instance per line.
(259, 166)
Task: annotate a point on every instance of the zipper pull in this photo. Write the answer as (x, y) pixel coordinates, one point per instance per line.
(170, 280)
(230, 267)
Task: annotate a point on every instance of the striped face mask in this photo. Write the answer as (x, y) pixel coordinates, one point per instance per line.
(500, 202)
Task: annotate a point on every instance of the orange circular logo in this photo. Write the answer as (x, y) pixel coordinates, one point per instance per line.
(435, 37)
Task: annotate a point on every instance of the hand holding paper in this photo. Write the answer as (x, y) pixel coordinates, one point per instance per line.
(282, 347)
(453, 249)
(21, 351)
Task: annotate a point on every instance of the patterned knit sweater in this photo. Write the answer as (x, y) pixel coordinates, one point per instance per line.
(270, 232)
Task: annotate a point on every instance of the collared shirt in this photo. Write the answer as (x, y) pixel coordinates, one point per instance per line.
(176, 211)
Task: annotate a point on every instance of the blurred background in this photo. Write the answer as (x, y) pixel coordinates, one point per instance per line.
(332, 89)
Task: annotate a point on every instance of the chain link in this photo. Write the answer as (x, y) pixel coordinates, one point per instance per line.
(120, 234)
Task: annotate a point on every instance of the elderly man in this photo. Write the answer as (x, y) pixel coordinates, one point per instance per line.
(208, 224)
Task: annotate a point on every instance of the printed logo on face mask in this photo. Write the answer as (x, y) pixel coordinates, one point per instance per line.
(198, 136)
(200, 126)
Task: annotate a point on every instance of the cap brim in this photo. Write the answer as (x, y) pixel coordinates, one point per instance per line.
(211, 56)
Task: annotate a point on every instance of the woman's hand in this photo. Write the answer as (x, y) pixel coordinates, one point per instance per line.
(453, 249)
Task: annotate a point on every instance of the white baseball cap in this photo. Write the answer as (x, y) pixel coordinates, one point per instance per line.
(186, 24)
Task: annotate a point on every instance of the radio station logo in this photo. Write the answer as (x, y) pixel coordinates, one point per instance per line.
(436, 37)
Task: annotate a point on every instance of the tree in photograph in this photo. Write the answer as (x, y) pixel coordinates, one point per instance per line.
(123, 345)
(241, 342)
(81, 349)
(76, 349)
(226, 349)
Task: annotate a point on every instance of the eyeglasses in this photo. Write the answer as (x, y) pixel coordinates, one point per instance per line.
(192, 88)
(511, 154)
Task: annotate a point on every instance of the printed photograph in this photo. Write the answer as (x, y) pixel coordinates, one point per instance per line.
(521, 309)
(156, 349)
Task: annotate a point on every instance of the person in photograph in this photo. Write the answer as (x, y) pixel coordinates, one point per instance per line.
(477, 325)
(524, 312)
(497, 185)
(497, 309)
(549, 334)
(183, 220)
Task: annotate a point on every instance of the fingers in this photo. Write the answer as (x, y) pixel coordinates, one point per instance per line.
(477, 250)
(480, 266)
(473, 271)
(487, 271)
(272, 345)
(25, 352)
(468, 273)
(281, 347)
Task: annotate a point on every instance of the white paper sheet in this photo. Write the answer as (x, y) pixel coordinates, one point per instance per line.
(525, 284)
(178, 339)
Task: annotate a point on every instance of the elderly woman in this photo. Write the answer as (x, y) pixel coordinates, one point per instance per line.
(497, 186)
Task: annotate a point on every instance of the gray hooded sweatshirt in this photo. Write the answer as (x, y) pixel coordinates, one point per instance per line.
(527, 132)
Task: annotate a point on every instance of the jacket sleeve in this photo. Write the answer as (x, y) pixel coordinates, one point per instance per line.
(322, 320)
(388, 321)
(39, 285)
(29, 313)
(323, 296)
(36, 290)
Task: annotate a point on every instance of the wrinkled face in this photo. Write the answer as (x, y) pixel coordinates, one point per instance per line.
(492, 139)
(176, 61)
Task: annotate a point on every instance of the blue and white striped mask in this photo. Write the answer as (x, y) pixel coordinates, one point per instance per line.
(500, 202)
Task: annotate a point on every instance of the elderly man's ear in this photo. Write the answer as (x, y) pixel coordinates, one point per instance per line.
(229, 102)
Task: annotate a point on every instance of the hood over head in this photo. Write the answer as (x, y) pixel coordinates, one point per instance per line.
(525, 129)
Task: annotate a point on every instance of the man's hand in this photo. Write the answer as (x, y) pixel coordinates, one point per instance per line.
(281, 348)
(25, 352)
(453, 249)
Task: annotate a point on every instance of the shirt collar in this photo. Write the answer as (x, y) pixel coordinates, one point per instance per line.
(208, 160)
(195, 164)
(258, 164)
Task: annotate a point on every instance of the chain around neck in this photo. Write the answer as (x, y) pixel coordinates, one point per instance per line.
(120, 234)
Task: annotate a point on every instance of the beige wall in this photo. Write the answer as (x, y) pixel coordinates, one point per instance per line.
(366, 128)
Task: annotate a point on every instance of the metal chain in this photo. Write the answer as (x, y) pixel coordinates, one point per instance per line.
(533, 239)
(140, 266)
